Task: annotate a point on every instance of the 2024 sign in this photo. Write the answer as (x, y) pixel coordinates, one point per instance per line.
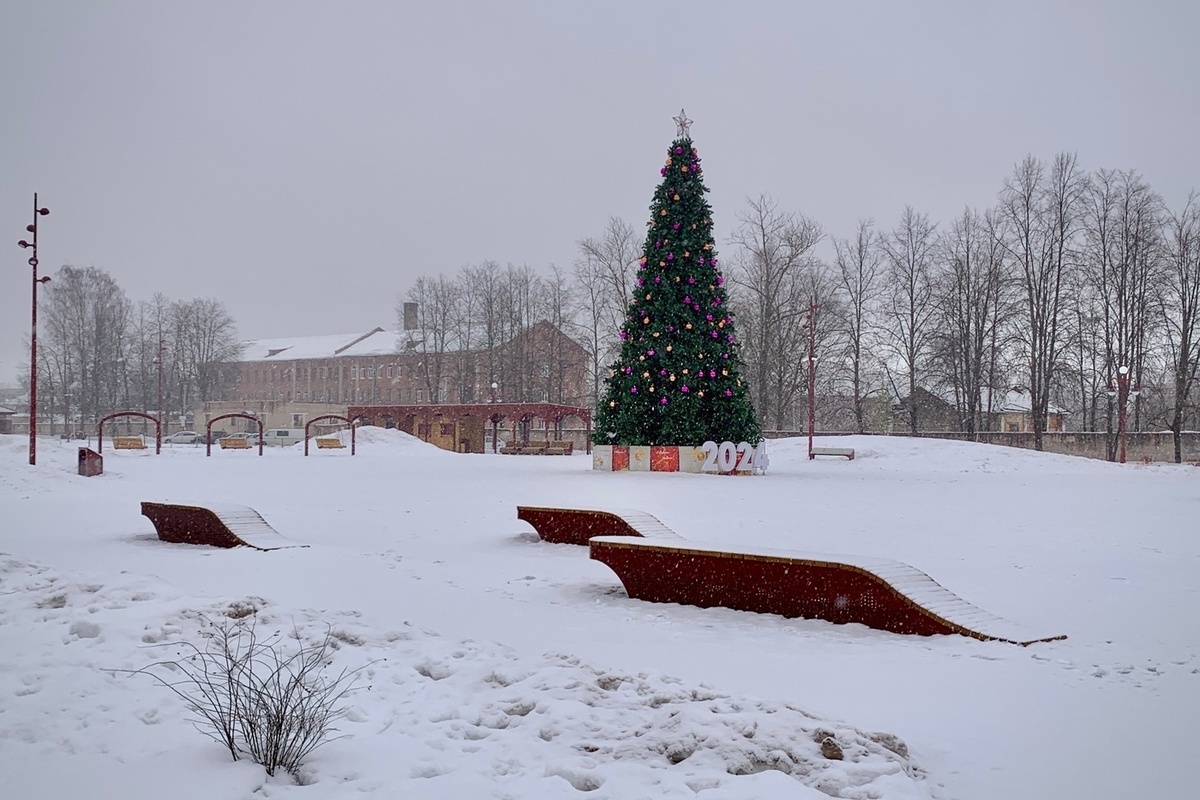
(728, 457)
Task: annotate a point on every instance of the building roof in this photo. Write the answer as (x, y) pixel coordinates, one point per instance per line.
(374, 342)
(1018, 401)
(5, 410)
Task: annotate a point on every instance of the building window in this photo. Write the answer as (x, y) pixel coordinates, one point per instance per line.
(389, 370)
(420, 395)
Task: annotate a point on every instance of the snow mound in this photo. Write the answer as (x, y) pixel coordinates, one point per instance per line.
(450, 716)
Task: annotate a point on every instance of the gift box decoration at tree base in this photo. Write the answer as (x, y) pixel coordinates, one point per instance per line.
(725, 458)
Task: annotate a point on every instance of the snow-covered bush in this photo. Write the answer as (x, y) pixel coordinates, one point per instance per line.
(264, 700)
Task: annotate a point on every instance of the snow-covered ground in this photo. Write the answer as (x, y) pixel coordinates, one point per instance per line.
(502, 667)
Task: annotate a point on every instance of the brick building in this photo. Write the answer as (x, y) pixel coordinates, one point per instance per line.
(286, 381)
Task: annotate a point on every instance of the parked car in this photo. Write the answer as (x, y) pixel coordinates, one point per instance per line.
(216, 436)
(283, 436)
(183, 437)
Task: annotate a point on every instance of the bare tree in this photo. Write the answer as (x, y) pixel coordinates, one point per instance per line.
(1182, 313)
(971, 296)
(1040, 211)
(858, 275)
(85, 318)
(604, 275)
(772, 282)
(206, 344)
(1121, 251)
(614, 255)
(910, 308)
(436, 300)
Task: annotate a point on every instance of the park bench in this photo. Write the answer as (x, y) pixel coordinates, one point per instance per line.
(234, 444)
(329, 443)
(539, 448)
(217, 525)
(578, 525)
(844, 452)
(531, 448)
(128, 443)
(655, 564)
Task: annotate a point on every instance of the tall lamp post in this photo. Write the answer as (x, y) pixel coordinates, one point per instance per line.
(33, 262)
(1123, 393)
(812, 374)
(495, 417)
(159, 363)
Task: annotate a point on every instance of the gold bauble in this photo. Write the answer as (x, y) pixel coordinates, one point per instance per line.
(668, 346)
(645, 320)
(676, 197)
(663, 213)
(672, 377)
(688, 326)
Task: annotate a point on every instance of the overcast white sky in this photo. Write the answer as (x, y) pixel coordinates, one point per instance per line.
(272, 154)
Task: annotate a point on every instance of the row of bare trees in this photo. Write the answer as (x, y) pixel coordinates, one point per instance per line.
(1068, 277)
(480, 328)
(98, 352)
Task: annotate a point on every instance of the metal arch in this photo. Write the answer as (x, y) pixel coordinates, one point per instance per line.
(157, 429)
(347, 420)
(208, 430)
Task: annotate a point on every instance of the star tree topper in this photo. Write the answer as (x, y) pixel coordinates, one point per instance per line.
(682, 123)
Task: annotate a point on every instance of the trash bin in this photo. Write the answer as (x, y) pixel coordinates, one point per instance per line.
(90, 462)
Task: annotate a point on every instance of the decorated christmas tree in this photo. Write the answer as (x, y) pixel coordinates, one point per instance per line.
(676, 379)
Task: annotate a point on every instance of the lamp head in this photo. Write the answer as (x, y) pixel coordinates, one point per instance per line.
(24, 243)
(31, 228)
(1123, 369)
(43, 211)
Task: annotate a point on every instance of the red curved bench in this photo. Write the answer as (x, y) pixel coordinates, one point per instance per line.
(223, 525)
(656, 564)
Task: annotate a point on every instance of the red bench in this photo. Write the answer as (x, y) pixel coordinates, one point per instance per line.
(656, 564)
(215, 525)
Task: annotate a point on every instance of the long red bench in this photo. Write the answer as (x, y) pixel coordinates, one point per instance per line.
(656, 564)
(223, 525)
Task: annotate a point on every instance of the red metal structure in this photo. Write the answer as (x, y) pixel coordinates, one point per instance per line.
(157, 429)
(520, 414)
(346, 420)
(208, 430)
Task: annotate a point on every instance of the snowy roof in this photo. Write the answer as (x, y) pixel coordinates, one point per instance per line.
(6, 410)
(374, 342)
(1017, 401)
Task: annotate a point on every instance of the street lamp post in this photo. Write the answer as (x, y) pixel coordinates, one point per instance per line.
(33, 262)
(812, 374)
(1122, 393)
(159, 362)
(495, 418)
